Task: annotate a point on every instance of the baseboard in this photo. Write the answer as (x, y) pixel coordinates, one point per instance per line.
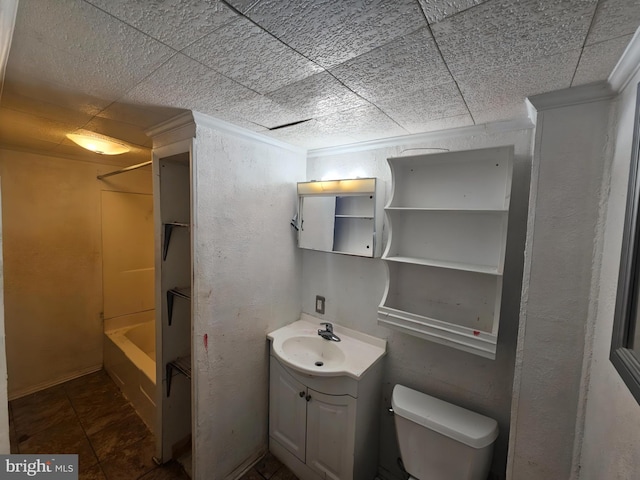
(52, 383)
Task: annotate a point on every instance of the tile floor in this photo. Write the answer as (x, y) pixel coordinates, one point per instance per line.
(269, 468)
(90, 417)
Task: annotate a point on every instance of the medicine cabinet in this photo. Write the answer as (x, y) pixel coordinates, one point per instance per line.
(341, 216)
(447, 223)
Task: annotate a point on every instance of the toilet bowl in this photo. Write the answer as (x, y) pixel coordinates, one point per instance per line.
(441, 441)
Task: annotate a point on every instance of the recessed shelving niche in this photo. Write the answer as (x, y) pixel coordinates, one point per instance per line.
(447, 221)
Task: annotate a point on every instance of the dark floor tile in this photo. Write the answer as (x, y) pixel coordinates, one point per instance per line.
(13, 437)
(89, 384)
(41, 410)
(168, 471)
(268, 465)
(284, 473)
(252, 474)
(64, 437)
(130, 462)
(112, 439)
(92, 473)
(99, 418)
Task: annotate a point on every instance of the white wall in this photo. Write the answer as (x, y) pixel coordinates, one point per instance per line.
(353, 288)
(246, 283)
(53, 265)
(611, 445)
(569, 156)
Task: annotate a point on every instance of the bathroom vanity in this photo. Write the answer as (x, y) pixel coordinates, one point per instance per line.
(324, 401)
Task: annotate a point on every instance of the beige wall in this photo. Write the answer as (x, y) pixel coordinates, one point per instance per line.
(53, 265)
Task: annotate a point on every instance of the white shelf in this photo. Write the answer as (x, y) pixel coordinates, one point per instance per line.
(355, 216)
(467, 267)
(447, 218)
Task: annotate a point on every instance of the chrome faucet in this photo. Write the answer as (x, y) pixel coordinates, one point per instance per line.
(328, 334)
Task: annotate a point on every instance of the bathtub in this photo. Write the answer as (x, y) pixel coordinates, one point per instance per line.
(129, 359)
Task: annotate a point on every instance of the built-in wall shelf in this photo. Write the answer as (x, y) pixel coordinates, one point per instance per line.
(447, 220)
(180, 365)
(168, 229)
(172, 293)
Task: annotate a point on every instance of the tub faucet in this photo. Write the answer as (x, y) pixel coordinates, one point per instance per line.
(328, 334)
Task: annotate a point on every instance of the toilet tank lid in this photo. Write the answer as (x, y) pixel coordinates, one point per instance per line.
(455, 422)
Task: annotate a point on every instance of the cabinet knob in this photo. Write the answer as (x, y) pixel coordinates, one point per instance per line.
(308, 397)
(301, 394)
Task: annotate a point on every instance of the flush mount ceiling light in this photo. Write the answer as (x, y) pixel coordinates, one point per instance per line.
(101, 145)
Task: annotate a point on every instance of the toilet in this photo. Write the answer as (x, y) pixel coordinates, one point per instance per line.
(441, 441)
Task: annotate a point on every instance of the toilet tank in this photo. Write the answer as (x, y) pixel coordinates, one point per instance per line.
(441, 440)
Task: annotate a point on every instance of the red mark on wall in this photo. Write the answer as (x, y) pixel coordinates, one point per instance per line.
(476, 333)
(206, 342)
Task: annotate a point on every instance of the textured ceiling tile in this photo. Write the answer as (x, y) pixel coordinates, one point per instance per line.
(263, 111)
(176, 23)
(242, 5)
(505, 32)
(307, 135)
(361, 123)
(330, 32)
(23, 129)
(438, 124)
(406, 64)
(598, 60)
(136, 155)
(438, 10)
(416, 110)
(185, 83)
(131, 134)
(13, 100)
(499, 94)
(143, 117)
(316, 96)
(614, 18)
(74, 44)
(252, 57)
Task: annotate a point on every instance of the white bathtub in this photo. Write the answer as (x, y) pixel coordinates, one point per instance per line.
(129, 358)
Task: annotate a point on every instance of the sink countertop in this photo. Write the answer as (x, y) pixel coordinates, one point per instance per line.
(360, 350)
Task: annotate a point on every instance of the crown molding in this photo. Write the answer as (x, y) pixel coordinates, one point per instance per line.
(426, 137)
(592, 92)
(184, 125)
(627, 66)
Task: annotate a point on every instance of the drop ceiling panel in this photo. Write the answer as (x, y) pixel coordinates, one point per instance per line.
(75, 44)
(511, 32)
(438, 10)
(330, 32)
(128, 133)
(177, 23)
(499, 94)
(597, 60)
(416, 111)
(316, 96)
(143, 117)
(252, 57)
(614, 18)
(26, 130)
(263, 111)
(136, 155)
(405, 64)
(185, 83)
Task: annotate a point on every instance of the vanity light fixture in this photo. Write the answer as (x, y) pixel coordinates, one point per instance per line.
(356, 185)
(98, 144)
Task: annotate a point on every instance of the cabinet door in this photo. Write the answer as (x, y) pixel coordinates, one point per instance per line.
(331, 434)
(287, 410)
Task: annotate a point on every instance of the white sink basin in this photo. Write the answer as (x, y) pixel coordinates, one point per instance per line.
(299, 346)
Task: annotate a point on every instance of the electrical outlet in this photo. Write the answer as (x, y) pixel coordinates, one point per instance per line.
(319, 304)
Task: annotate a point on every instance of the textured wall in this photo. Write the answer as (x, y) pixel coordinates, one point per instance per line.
(246, 283)
(570, 151)
(354, 286)
(611, 445)
(53, 265)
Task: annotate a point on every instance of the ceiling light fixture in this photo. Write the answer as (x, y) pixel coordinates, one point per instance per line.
(98, 144)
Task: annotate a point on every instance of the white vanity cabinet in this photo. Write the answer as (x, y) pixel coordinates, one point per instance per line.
(325, 427)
